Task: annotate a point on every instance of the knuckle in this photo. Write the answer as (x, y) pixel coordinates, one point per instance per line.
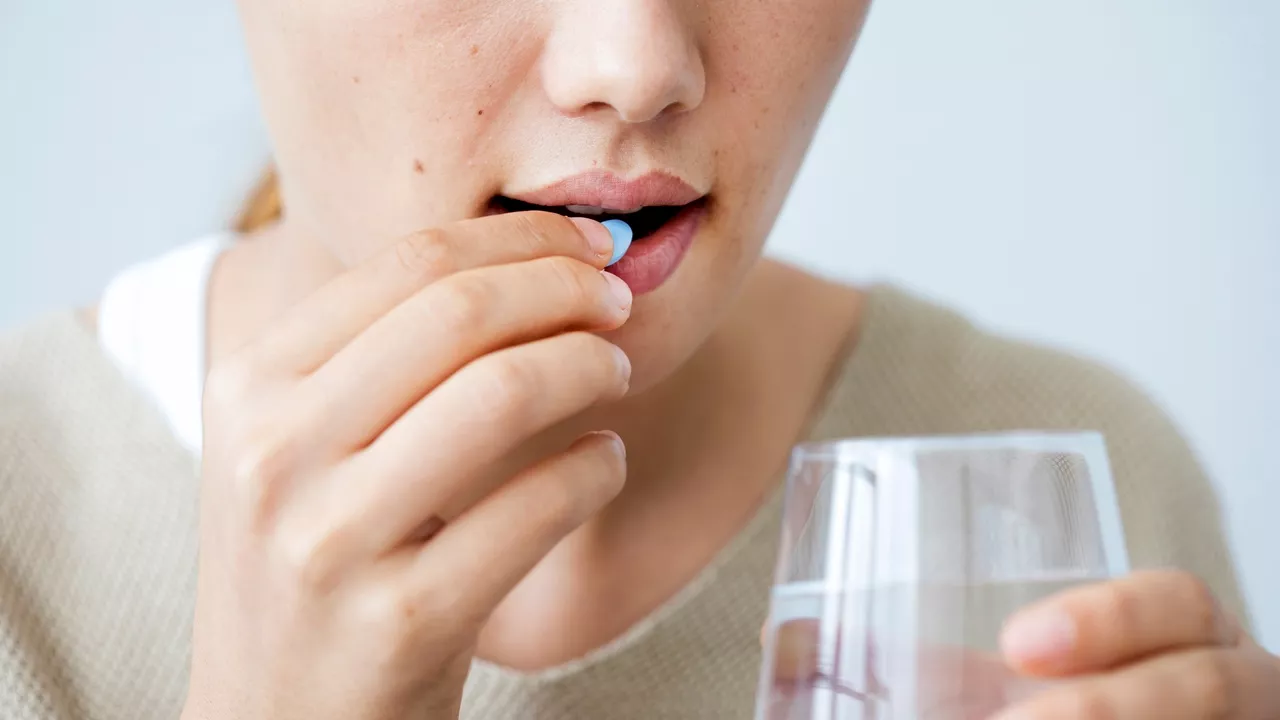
(1213, 686)
(1202, 605)
(310, 558)
(1090, 703)
(539, 229)
(229, 384)
(388, 618)
(444, 609)
(507, 388)
(1119, 610)
(579, 283)
(424, 255)
(259, 472)
(566, 505)
(460, 306)
(407, 623)
(607, 368)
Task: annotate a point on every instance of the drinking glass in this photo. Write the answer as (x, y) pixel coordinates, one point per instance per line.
(901, 559)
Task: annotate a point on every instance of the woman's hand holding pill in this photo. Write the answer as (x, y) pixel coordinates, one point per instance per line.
(355, 537)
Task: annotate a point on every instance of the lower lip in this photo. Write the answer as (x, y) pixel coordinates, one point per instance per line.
(654, 259)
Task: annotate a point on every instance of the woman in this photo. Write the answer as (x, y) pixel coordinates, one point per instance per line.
(447, 465)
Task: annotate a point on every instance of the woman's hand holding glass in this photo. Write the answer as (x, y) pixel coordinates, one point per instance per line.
(1154, 644)
(967, 578)
(354, 536)
(1151, 645)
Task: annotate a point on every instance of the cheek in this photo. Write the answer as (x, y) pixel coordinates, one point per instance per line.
(790, 52)
(380, 110)
(771, 70)
(777, 64)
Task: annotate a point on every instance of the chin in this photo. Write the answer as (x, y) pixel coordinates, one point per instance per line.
(669, 325)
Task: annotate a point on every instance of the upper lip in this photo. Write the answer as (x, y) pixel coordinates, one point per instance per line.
(603, 189)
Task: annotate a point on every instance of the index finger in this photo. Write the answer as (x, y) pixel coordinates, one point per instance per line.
(317, 328)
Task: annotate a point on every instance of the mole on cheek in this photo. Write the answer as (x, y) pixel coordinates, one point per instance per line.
(417, 167)
(479, 112)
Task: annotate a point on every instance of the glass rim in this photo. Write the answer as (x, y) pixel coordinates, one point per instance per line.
(876, 454)
(840, 449)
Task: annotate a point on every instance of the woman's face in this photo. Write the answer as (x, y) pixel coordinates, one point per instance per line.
(390, 116)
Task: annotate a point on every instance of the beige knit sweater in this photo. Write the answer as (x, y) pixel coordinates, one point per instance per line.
(98, 524)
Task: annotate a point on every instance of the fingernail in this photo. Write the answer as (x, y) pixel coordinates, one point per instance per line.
(624, 364)
(619, 288)
(598, 236)
(622, 236)
(621, 446)
(618, 446)
(1038, 635)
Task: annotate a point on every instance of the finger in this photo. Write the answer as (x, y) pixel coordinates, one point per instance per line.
(1097, 627)
(415, 347)
(480, 557)
(314, 330)
(795, 650)
(1190, 685)
(432, 461)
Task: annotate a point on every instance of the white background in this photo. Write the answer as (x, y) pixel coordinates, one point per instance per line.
(1100, 174)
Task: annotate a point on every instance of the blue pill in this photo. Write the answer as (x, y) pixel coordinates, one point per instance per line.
(622, 235)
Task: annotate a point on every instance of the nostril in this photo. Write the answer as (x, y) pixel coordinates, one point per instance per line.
(594, 107)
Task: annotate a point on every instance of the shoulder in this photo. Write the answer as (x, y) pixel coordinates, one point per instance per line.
(34, 356)
(62, 394)
(923, 369)
(926, 365)
(52, 374)
(69, 418)
(95, 497)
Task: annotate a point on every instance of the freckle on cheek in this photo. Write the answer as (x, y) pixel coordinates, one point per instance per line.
(475, 50)
(417, 167)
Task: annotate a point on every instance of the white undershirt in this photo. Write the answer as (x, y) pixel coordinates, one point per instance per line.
(152, 323)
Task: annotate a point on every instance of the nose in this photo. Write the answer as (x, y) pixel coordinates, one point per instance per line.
(636, 57)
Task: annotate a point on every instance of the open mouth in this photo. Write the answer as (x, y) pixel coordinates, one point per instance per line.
(664, 212)
(644, 221)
